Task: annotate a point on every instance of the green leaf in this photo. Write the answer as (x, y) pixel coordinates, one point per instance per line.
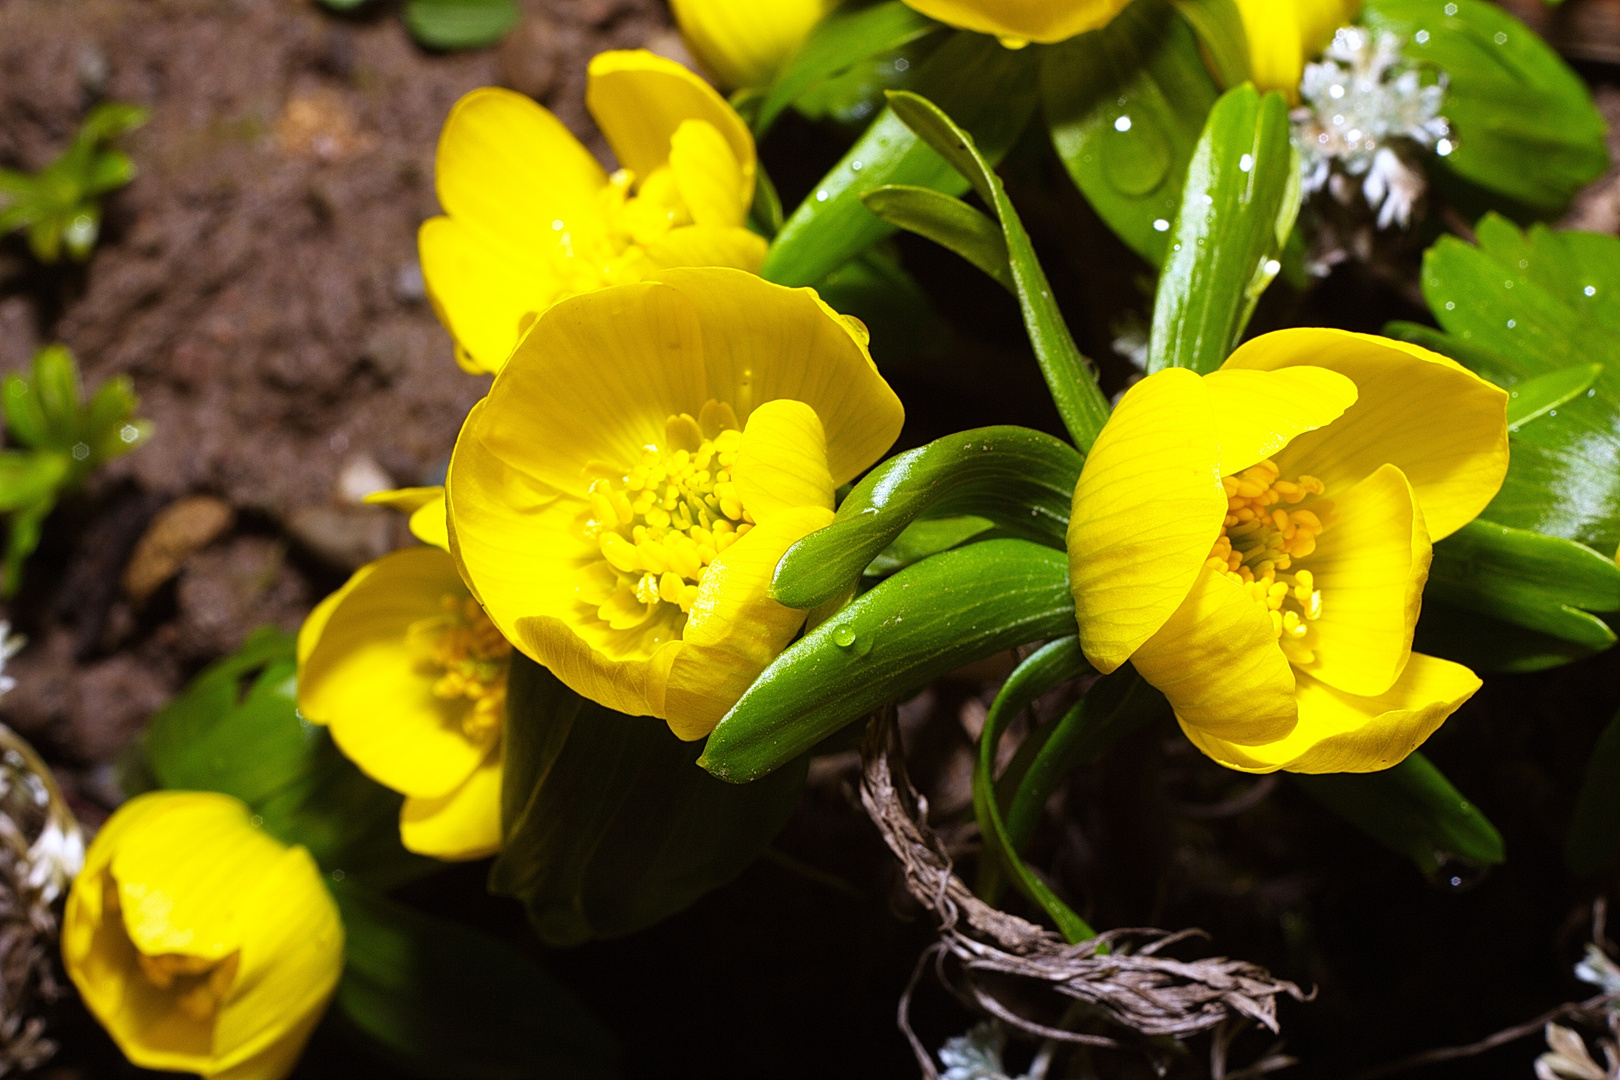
(838, 43)
(1539, 396)
(1238, 207)
(926, 537)
(60, 393)
(1524, 124)
(109, 170)
(991, 89)
(1594, 828)
(609, 826)
(1412, 809)
(1125, 106)
(1019, 479)
(876, 289)
(30, 477)
(1539, 582)
(235, 729)
(443, 1001)
(1219, 26)
(948, 222)
(1544, 302)
(930, 618)
(460, 24)
(110, 119)
(25, 417)
(1048, 667)
(1491, 645)
(22, 538)
(1069, 378)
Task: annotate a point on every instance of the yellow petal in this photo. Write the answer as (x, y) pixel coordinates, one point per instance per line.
(593, 382)
(782, 463)
(360, 676)
(426, 507)
(517, 542)
(735, 628)
(707, 245)
(1146, 512)
(1018, 22)
(180, 897)
(762, 342)
(508, 173)
(1439, 423)
(743, 43)
(1341, 732)
(639, 100)
(1257, 413)
(1370, 565)
(292, 956)
(465, 824)
(1276, 61)
(1218, 662)
(708, 175)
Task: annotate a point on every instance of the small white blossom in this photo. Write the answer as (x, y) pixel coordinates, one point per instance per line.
(1596, 968)
(1365, 114)
(10, 645)
(1567, 1057)
(976, 1055)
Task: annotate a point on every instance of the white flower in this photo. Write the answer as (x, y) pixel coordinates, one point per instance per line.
(10, 645)
(1366, 114)
(1568, 1058)
(976, 1055)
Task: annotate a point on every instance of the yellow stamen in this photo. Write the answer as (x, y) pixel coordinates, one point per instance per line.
(1260, 542)
(470, 658)
(661, 524)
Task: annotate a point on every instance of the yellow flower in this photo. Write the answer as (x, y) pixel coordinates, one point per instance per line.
(533, 219)
(1256, 541)
(410, 675)
(744, 43)
(200, 943)
(621, 497)
(1283, 34)
(1019, 22)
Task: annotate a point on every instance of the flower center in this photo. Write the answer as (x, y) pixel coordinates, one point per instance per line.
(1261, 543)
(661, 524)
(470, 658)
(199, 984)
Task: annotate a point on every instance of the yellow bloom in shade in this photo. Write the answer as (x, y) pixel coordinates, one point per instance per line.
(410, 675)
(531, 218)
(743, 43)
(622, 496)
(1284, 34)
(1019, 22)
(202, 944)
(1256, 542)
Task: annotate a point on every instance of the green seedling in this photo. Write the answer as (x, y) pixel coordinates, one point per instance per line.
(63, 437)
(60, 205)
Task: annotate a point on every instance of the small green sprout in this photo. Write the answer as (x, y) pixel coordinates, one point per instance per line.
(451, 24)
(64, 437)
(59, 205)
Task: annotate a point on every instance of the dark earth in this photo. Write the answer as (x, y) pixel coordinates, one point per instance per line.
(259, 283)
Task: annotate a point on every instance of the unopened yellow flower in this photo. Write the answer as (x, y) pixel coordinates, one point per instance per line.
(1284, 34)
(1019, 22)
(532, 218)
(744, 43)
(200, 943)
(622, 496)
(410, 675)
(1255, 541)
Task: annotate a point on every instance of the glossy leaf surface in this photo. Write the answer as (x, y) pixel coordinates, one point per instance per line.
(839, 42)
(1237, 209)
(460, 24)
(1509, 99)
(891, 641)
(1125, 106)
(1019, 479)
(1068, 375)
(1543, 302)
(609, 825)
(948, 222)
(991, 90)
(1412, 809)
